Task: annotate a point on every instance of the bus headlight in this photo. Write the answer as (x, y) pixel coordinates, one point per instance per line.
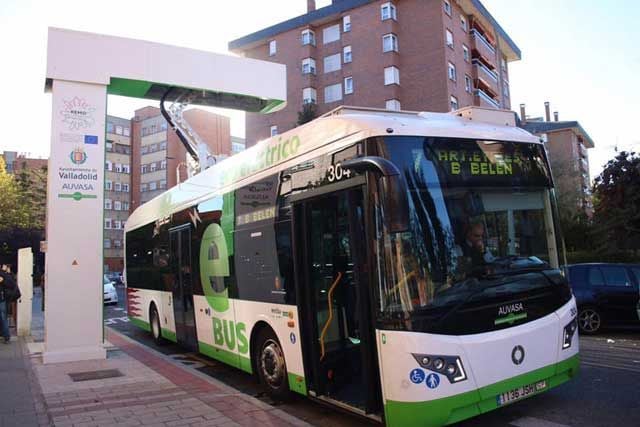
(569, 330)
(449, 366)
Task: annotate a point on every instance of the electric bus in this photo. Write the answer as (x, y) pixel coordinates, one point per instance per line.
(403, 266)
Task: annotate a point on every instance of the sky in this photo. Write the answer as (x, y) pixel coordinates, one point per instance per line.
(582, 56)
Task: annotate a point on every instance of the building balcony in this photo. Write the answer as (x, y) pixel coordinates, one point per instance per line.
(482, 48)
(583, 150)
(482, 99)
(488, 77)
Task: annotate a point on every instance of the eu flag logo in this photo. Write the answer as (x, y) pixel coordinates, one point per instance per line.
(91, 139)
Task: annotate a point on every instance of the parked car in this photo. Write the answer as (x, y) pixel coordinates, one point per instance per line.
(110, 294)
(115, 277)
(606, 294)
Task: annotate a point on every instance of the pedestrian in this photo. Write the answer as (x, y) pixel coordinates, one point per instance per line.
(9, 292)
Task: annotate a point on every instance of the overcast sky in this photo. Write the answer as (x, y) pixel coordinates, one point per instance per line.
(581, 55)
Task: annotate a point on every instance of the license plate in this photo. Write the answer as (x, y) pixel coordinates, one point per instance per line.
(520, 392)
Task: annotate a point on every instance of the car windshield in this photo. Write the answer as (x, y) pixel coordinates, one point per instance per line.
(481, 225)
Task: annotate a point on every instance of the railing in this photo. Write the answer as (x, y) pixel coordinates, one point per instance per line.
(486, 98)
(477, 36)
(492, 74)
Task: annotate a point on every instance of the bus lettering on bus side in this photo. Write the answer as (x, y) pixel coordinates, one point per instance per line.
(228, 334)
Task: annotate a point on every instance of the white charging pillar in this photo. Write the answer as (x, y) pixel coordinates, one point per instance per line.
(25, 283)
(75, 191)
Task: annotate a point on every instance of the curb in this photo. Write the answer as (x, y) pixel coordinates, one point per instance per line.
(217, 383)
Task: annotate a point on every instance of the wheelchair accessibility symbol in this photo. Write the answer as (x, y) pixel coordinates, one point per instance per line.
(433, 380)
(416, 376)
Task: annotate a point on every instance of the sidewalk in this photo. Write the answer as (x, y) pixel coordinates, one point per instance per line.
(139, 387)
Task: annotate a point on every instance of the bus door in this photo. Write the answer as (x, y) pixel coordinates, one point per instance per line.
(182, 287)
(337, 326)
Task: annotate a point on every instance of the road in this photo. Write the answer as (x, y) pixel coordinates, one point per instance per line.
(605, 393)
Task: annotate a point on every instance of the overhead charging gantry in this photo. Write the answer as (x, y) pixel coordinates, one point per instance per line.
(82, 69)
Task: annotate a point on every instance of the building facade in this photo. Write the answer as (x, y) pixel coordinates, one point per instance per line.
(158, 156)
(117, 191)
(567, 145)
(421, 55)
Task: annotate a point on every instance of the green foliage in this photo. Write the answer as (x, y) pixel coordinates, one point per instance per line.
(32, 184)
(307, 114)
(617, 205)
(12, 213)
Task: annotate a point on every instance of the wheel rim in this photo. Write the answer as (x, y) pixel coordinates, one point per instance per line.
(155, 326)
(272, 363)
(589, 320)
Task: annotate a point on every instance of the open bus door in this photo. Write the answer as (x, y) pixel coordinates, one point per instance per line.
(337, 327)
(182, 287)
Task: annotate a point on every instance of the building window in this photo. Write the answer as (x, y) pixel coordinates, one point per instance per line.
(392, 104)
(118, 168)
(331, 34)
(125, 188)
(505, 89)
(143, 187)
(117, 205)
(153, 186)
(449, 36)
(309, 95)
(348, 85)
(272, 47)
(153, 166)
(127, 132)
(163, 164)
(346, 24)
(308, 37)
(107, 204)
(107, 223)
(346, 54)
(388, 11)
(274, 130)
(308, 66)
(463, 23)
(503, 64)
(333, 93)
(391, 76)
(452, 72)
(118, 186)
(163, 145)
(107, 243)
(125, 206)
(144, 149)
(144, 168)
(117, 244)
(163, 183)
(465, 53)
(109, 127)
(468, 86)
(109, 145)
(389, 43)
(126, 168)
(117, 224)
(109, 165)
(447, 7)
(108, 185)
(454, 103)
(119, 130)
(332, 63)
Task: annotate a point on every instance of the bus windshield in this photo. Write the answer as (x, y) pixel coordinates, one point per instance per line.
(481, 234)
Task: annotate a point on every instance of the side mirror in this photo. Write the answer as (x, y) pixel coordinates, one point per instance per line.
(395, 204)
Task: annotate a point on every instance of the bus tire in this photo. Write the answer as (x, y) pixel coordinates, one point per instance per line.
(271, 365)
(154, 323)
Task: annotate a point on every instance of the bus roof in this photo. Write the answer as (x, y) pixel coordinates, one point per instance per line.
(331, 132)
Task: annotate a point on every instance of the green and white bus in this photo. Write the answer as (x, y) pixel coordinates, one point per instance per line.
(403, 266)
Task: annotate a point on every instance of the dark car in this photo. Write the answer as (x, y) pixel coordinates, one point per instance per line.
(606, 294)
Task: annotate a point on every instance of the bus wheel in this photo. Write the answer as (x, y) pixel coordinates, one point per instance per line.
(589, 320)
(271, 366)
(154, 321)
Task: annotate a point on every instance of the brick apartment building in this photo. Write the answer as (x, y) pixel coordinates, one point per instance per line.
(117, 190)
(157, 153)
(16, 162)
(423, 55)
(567, 144)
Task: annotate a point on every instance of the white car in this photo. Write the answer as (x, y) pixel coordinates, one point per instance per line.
(110, 294)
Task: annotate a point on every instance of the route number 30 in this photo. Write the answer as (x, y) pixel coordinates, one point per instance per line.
(336, 173)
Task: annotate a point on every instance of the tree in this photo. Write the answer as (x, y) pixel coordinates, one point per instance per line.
(32, 185)
(307, 114)
(617, 205)
(12, 213)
